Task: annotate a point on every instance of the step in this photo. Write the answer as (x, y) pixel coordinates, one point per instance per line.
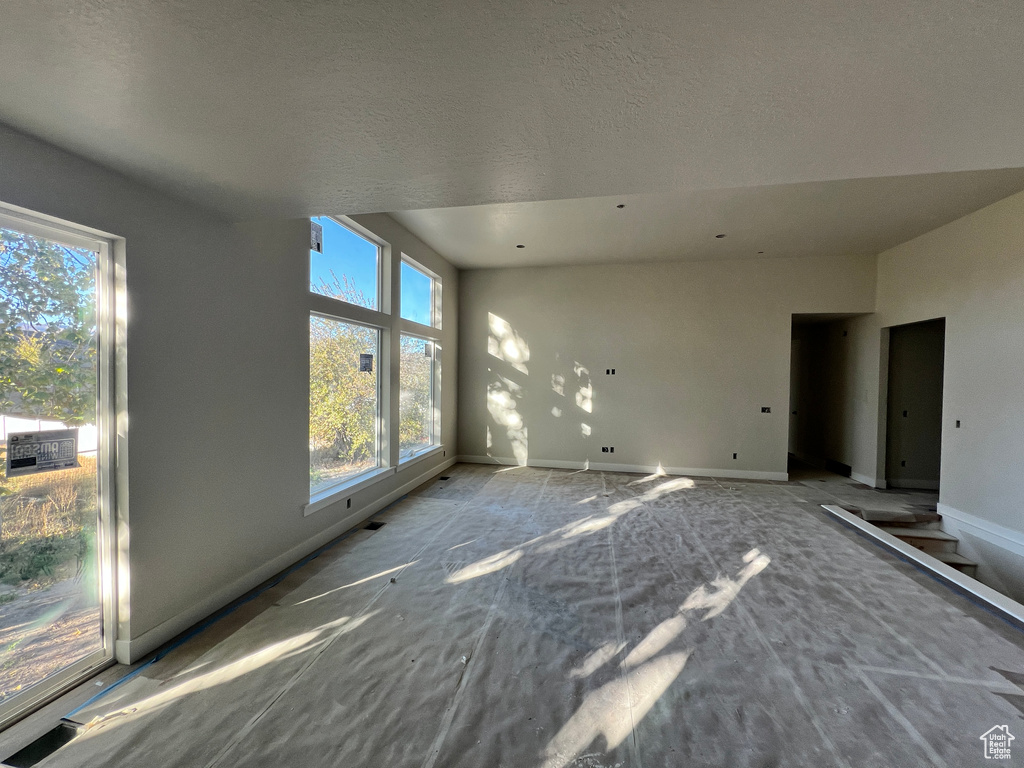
(958, 561)
(926, 540)
(910, 519)
(904, 517)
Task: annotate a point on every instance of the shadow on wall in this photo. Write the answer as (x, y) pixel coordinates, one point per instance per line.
(571, 394)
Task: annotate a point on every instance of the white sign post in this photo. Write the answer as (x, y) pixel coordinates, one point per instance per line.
(29, 453)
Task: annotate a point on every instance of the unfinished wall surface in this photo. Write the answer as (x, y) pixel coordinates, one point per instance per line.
(698, 349)
(971, 272)
(217, 386)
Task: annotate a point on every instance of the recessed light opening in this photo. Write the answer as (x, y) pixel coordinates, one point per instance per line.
(621, 205)
(719, 236)
(520, 246)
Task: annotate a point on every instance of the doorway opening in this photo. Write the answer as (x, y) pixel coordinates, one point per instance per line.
(913, 438)
(820, 393)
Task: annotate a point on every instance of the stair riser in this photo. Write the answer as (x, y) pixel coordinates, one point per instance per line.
(912, 526)
(929, 545)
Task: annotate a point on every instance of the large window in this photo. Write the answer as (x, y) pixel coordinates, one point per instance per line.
(343, 397)
(56, 358)
(417, 423)
(374, 360)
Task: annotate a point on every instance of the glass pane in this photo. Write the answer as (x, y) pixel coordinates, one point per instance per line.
(348, 267)
(50, 613)
(416, 295)
(342, 401)
(415, 405)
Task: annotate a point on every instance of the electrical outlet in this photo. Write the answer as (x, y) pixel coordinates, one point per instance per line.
(604, 449)
(611, 449)
(766, 409)
(734, 455)
(609, 371)
(348, 503)
(958, 423)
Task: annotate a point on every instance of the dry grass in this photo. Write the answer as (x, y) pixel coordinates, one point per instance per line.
(47, 524)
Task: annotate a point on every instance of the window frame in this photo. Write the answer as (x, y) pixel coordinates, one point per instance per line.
(379, 320)
(435, 294)
(435, 397)
(381, 463)
(431, 333)
(381, 297)
(388, 321)
(111, 415)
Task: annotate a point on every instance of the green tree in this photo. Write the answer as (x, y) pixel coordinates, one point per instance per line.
(415, 412)
(342, 399)
(47, 329)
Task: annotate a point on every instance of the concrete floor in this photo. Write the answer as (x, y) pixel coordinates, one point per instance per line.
(530, 617)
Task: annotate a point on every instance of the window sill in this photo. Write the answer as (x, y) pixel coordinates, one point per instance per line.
(335, 493)
(426, 453)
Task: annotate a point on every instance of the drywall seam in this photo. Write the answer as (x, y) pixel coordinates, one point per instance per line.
(738, 474)
(130, 651)
(986, 594)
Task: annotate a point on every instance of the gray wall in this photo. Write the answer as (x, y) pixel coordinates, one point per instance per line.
(217, 342)
(971, 272)
(698, 349)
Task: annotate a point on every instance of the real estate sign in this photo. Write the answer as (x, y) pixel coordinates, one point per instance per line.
(30, 453)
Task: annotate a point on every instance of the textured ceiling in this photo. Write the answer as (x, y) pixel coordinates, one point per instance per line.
(297, 107)
(833, 218)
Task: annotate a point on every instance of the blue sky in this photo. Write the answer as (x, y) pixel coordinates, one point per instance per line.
(346, 254)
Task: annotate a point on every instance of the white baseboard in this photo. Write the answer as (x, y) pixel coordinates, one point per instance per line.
(867, 480)
(130, 651)
(1000, 535)
(1002, 603)
(738, 474)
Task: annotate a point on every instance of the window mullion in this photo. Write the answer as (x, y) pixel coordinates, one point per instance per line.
(328, 307)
